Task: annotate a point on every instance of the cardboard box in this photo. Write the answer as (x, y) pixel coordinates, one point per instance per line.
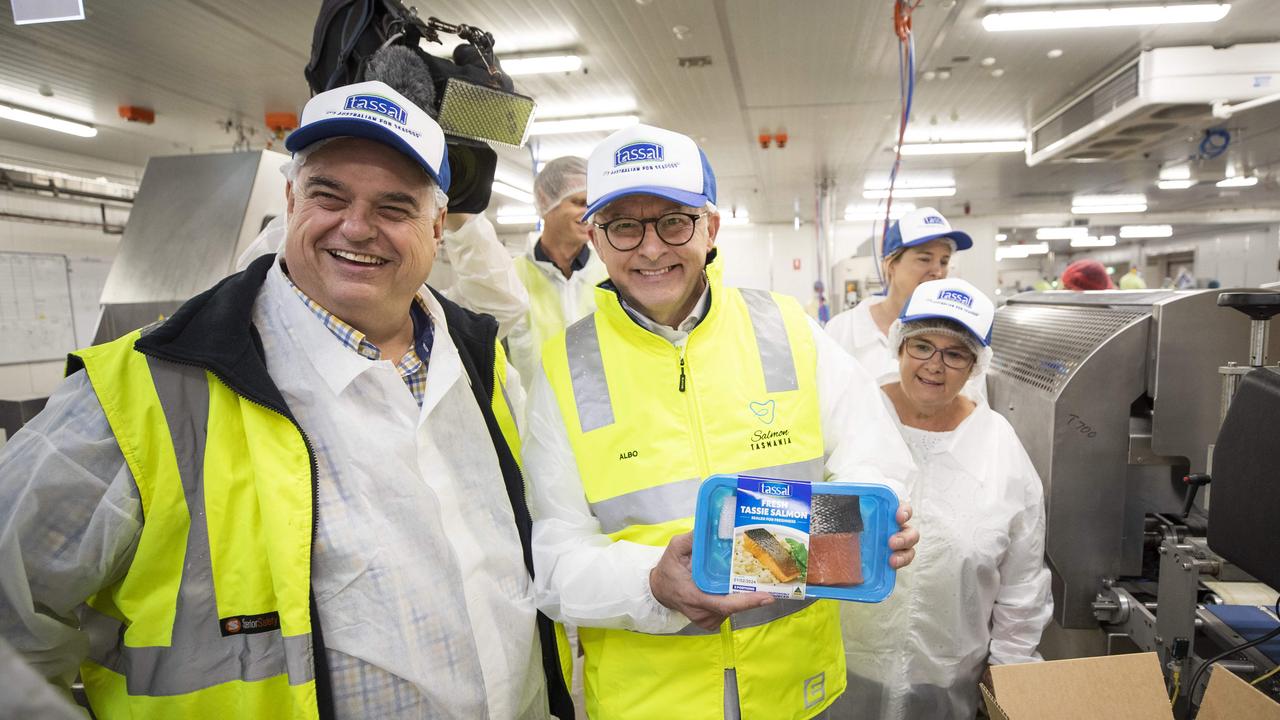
(1230, 698)
(1117, 686)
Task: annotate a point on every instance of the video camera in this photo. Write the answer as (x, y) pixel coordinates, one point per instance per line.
(472, 99)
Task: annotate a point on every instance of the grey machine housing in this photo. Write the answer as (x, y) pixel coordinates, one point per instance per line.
(1116, 397)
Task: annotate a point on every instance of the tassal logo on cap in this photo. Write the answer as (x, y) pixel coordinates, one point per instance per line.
(933, 220)
(377, 104)
(638, 152)
(957, 297)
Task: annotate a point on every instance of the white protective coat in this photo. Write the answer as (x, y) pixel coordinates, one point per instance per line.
(855, 330)
(978, 591)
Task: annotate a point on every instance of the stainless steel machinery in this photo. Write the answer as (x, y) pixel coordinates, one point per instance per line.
(1117, 398)
(192, 217)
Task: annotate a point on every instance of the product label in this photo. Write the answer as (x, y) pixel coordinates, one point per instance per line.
(771, 537)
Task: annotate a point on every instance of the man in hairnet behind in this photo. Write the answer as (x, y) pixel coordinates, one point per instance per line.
(561, 270)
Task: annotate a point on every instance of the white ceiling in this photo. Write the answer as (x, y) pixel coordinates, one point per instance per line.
(825, 70)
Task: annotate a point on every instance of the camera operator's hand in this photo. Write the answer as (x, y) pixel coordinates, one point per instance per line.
(671, 583)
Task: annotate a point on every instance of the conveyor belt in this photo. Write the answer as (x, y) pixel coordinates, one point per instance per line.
(1250, 622)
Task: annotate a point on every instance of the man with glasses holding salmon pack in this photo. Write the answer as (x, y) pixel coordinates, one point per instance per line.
(634, 405)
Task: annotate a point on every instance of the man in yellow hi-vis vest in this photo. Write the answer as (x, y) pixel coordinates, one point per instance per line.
(300, 496)
(676, 377)
(560, 271)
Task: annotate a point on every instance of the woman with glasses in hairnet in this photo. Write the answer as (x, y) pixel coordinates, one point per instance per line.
(918, 248)
(978, 592)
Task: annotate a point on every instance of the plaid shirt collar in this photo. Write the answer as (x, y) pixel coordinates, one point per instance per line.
(412, 366)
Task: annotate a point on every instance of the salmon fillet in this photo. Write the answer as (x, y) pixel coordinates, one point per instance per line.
(764, 547)
(835, 559)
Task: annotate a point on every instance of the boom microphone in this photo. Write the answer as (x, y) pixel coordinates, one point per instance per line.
(407, 73)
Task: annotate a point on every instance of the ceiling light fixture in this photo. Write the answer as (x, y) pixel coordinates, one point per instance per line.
(583, 124)
(1238, 181)
(1175, 184)
(1093, 242)
(1062, 233)
(1104, 209)
(862, 213)
(919, 192)
(1145, 231)
(514, 193)
(540, 64)
(964, 147)
(517, 215)
(1001, 237)
(48, 122)
(1118, 203)
(1103, 17)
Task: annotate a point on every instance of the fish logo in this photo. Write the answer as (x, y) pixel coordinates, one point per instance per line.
(776, 489)
(957, 297)
(638, 152)
(764, 411)
(933, 220)
(377, 104)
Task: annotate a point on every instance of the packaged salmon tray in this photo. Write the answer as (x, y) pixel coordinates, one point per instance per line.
(794, 539)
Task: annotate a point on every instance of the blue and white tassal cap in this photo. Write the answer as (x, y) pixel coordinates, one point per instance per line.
(952, 299)
(374, 111)
(921, 226)
(646, 160)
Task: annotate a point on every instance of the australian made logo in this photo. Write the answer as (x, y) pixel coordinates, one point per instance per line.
(377, 104)
(638, 152)
(957, 297)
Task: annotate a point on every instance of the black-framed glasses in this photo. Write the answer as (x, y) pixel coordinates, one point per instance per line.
(673, 228)
(952, 358)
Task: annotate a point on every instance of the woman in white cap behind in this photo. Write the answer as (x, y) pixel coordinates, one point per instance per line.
(978, 593)
(917, 248)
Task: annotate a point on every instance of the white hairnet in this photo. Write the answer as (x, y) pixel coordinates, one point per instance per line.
(898, 332)
(559, 179)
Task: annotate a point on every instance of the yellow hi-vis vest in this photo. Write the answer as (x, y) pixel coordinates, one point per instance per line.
(212, 619)
(648, 422)
(546, 317)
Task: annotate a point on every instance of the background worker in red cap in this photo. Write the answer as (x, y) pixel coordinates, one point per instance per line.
(634, 405)
(299, 496)
(1086, 275)
(918, 248)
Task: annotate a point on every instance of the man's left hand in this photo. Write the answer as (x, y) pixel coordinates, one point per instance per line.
(903, 543)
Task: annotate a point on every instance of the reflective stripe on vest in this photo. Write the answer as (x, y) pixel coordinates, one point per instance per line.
(642, 446)
(212, 618)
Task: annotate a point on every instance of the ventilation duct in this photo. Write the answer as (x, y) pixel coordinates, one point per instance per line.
(1157, 93)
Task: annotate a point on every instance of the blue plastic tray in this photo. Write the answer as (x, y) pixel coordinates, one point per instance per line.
(712, 555)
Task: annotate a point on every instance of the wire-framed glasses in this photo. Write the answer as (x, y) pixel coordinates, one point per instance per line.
(951, 357)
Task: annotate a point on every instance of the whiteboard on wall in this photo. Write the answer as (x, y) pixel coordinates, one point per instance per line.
(37, 317)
